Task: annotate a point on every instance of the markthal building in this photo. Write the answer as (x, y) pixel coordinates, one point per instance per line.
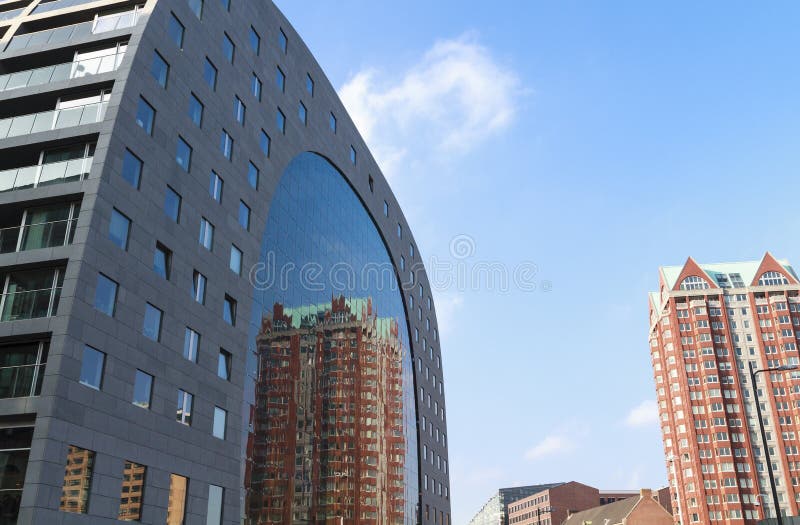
(213, 310)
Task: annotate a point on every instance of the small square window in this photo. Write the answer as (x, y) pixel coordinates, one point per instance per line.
(229, 310)
(353, 156)
(386, 208)
(332, 122)
(255, 87)
(264, 143)
(206, 238)
(191, 343)
(119, 228)
(239, 110)
(280, 79)
(172, 204)
(310, 85)
(197, 7)
(224, 362)
(210, 74)
(159, 69)
(220, 418)
(92, 367)
(235, 263)
(244, 215)
(280, 120)
(226, 4)
(228, 48)
(183, 155)
(283, 42)
(175, 30)
(302, 113)
(145, 116)
(142, 389)
(151, 328)
(252, 175)
(199, 287)
(195, 110)
(215, 186)
(131, 169)
(162, 261)
(184, 413)
(226, 145)
(255, 40)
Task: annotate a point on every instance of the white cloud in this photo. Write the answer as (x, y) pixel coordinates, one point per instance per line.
(645, 414)
(454, 97)
(549, 446)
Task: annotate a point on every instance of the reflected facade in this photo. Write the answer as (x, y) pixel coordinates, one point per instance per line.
(331, 429)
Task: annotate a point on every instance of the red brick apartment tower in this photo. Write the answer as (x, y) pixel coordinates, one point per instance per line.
(329, 406)
(707, 323)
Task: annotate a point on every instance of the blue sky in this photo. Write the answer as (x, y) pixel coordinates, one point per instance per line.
(596, 141)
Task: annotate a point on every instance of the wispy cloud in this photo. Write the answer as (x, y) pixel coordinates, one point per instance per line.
(643, 415)
(454, 97)
(550, 446)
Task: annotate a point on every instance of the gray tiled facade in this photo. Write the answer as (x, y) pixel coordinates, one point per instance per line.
(105, 421)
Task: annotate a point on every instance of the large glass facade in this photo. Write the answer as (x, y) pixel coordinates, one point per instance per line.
(330, 424)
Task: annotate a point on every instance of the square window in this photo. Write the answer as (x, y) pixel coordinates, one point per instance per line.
(119, 228)
(235, 263)
(353, 157)
(302, 113)
(199, 287)
(226, 4)
(195, 110)
(77, 473)
(172, 204)
(175, 30)
(210, 74)
(244, 215)
(105, 295)
(183, 155)
(215, 186)
(228, 48)
(162, 261)
(332, 122)
(132, 493)
(264, 143)
(283, 42)
(145, 116)
(239, 110)
(310, 85)
(280, 120)
(224, 362)
(206, 238)
(197, 7)
(176, 509)
(220, 418)
(184, 412)
(92, 367)
(280, 79)
(386, 208)
(191, 343)
(252, 175)
(159, 69)
(151, 327)
(142, 389)
(131, 169)
(255, 40)
(229, 310)
(255, 87)
(226, 145)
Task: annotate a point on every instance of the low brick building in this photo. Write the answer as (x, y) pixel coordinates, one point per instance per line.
(642, 510)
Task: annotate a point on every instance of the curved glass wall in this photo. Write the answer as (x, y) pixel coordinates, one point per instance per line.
(331, 420)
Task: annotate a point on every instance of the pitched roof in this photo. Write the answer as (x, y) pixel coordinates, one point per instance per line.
(748, 272)
(613, 512)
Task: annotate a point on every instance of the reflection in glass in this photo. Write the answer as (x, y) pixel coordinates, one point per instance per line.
(332, 426)
(15, 447)
(176, 507)
(77, 480)
(130, 499)
(22, 369)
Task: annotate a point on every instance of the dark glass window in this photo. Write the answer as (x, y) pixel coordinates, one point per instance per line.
(386, 208)
(92, 367)
(252, 175)
(283, 42)
(206, 238)
(162, 261)
(210, 74)
(353, 156)
(172, 204)
(105, 295)
(145, 116)
(310, 85)
(215, 186)
(226, 145)
(224, 364)
(151, 327)
(199, 287)
(302, 113)
(255, 40)
(255, 87)
(244, 215)
(119, 228)
(280, 79)
(228, 48)
(159, 69)
(131, 169)
(142, 389)
(332, 122)
(235, 263)
(264, 143)
(229, 310)
(280, 120)
(183, 155)
(195, 110)
(239, 110)
(175, 30)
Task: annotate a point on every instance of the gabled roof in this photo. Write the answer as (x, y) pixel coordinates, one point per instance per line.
(721, 272)
(771, 264)
(691, 268)
(613, 512)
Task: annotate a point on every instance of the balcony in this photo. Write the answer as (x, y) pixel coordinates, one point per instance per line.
(30, 294)
(22, 369)
(44, 174)
(41, 227)
(85, 64)
(51, 120)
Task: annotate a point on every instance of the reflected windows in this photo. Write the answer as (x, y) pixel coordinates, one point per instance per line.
(224, 362)
(151, 327)
(105, 295)
(77, 480)
(183, 155)
(184, 410)
(199, 287)
(145, 116)
(176, 505)
(142, 389)
(255, 87)
(215, 186)
(131, 497)
(159, 69)
(206, 238)
(15, 447)
(191, 343)
(92, 366)
(118, 228)
(229, 310)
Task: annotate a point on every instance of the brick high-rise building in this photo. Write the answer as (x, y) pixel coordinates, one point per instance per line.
(708, 324)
